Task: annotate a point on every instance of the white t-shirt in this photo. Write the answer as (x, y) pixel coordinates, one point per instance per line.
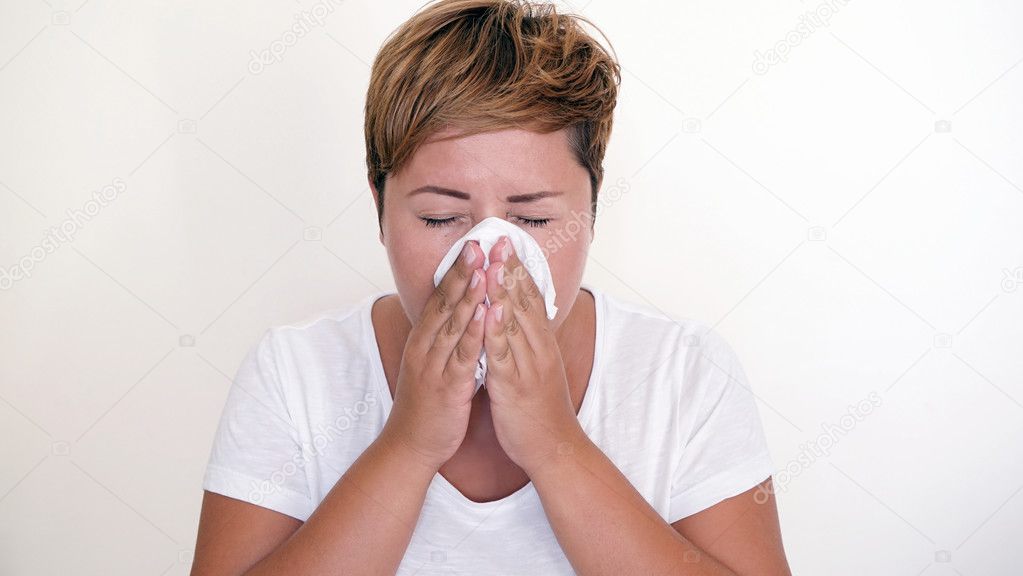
(667, 402)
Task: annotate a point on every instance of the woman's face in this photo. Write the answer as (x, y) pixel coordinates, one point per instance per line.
(493, 174)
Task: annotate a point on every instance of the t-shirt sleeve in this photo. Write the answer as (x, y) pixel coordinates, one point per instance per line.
(725, 451)
(257, 454)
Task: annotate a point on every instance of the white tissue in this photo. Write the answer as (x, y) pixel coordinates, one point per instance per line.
(528, 251)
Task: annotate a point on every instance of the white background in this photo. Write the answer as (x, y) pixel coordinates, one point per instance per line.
(849, 219)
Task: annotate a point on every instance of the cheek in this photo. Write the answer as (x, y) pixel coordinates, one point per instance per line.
(414, 256)
(566, 267)
(567, 262)
(565, 248)
(413, 278)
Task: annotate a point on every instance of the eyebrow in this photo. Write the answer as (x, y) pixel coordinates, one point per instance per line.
(515, 198)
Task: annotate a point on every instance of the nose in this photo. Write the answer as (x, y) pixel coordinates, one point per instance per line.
(492, 213)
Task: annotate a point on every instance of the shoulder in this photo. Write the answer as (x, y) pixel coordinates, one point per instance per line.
(331, 329)
(695, 358)
(640, 324)
(309, 349)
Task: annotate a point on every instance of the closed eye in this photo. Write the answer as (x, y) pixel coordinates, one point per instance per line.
(536, 223)
(438, 222)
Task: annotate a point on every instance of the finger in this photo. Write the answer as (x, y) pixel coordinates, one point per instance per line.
(504, 340)
(449, 335)
(500, 359)
(520, 295)
(443, 302)
(463, 360)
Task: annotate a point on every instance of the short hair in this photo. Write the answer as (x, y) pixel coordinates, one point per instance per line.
(484, 65)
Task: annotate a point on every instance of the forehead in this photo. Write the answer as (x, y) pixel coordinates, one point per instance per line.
(515, 156)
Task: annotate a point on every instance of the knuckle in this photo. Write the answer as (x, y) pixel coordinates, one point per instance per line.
(501, 355)
(450, 328)
(461, 355)
(512, 328)
(523, 302)
(442, 305)
(533, 290)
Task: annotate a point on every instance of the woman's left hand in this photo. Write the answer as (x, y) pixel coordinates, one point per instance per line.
(530, 402)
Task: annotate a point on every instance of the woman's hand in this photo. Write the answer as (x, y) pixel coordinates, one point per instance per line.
(530, 402)
(437, 377)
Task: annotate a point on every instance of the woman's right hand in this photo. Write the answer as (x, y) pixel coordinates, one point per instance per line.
(436, 380)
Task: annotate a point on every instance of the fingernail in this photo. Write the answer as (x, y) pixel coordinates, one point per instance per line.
(498, 312)
(507, 248)
(475, 279)
(479, 312)
(500, 274)
(468, 253)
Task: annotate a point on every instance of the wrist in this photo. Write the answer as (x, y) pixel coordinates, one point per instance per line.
(398, 445)
(564, 449)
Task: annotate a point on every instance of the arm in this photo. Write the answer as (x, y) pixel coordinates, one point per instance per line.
(606, 527)
(742, 531)
(363, 525)
(602, 523)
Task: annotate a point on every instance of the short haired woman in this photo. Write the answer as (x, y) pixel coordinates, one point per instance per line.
(609, 439)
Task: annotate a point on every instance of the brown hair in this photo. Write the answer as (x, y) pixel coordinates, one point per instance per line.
(485, 65)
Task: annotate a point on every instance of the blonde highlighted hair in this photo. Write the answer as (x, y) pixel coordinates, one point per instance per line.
(484, 65)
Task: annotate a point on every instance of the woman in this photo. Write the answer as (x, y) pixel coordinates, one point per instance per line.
(608, 440)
